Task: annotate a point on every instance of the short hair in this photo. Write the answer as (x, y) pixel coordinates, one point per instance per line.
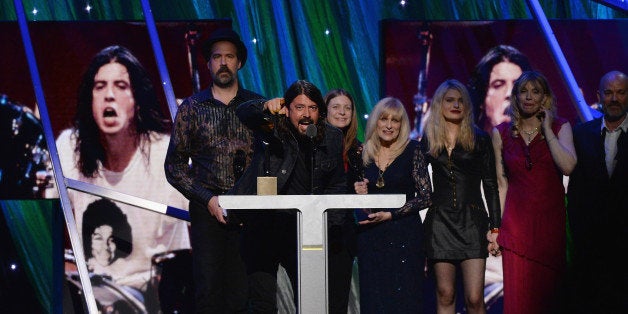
(224, 34)
(478, 82)
(539, 81)
(148, 117)
(386, 106)
(105, 212)
(435, 125)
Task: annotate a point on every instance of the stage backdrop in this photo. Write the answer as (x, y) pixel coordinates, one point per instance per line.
(591, 48)
(63, 51)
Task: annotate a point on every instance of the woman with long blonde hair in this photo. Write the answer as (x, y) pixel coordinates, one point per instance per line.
(391, 258)
(459, 230)
(532, 154)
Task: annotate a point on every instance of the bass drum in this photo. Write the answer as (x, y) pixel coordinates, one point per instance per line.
(110, 298)
(172, 278)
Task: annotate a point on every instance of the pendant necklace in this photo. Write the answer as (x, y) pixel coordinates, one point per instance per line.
(529, 133)
(380, 178)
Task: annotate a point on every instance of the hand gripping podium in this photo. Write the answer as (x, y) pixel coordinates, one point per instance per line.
(312, 233)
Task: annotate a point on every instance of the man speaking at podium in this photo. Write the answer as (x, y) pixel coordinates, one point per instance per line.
(295, 145)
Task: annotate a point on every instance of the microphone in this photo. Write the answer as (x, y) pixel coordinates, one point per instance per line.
(311, 132)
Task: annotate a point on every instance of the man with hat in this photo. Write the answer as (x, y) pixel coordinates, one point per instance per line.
(208, 132)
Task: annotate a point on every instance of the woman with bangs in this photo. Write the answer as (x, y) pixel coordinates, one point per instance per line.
(459, 231)
(391, 258)
(532, 154)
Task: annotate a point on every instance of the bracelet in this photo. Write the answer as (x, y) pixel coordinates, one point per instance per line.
(548, 141)
(494, 230)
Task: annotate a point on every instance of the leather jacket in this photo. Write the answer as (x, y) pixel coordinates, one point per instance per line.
(276, 153)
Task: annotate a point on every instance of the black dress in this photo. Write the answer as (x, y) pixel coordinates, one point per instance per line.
(457, 222)
(391, 258)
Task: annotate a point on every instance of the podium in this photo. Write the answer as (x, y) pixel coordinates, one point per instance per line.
(312, 233)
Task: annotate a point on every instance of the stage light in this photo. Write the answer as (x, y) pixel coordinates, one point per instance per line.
(34, 11)
(254, 41)
(88, 8)
(13, 266)
(402, 3)
(366, 116)
(327, 32)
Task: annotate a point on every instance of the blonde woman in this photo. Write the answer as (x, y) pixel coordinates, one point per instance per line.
(532, 153)
(390, 242)
(460, 232)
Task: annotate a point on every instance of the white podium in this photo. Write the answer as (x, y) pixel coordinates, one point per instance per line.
(312, 233)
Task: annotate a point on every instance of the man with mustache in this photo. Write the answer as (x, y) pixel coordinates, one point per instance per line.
(208, 132)
(598, 203)
(284, 149)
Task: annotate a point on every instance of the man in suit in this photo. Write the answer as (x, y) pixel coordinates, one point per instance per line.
(598, 202)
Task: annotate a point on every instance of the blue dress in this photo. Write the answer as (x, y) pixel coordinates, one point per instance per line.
(391, 257)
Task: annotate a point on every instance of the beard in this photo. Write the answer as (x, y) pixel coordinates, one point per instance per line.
(613, 115)
(223, 81)
(295, 128)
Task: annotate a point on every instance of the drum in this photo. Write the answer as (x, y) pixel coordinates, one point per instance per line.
(110, 298)
(173, 279)
(22, 133)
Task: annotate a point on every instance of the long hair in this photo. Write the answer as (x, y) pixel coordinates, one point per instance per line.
(148, 117)
(385, 107)
(435, 125)
(478, 82)
(350, 132)
(538, 81)
(105, 212)
(303, 87)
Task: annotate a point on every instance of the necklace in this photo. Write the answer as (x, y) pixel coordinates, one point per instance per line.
(380, 177)
(530, 133)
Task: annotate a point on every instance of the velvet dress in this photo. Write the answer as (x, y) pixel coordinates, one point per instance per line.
(533, 232)
(391, 258)
(457, 222)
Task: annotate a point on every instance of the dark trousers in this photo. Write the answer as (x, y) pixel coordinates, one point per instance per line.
(340, 255)
(219, 273)
(268, 240)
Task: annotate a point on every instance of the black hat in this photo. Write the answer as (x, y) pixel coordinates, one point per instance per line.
(224, 34)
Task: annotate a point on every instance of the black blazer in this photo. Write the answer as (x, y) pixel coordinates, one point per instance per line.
(597, 203)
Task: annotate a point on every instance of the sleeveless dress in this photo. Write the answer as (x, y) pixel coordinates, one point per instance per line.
(533, 232)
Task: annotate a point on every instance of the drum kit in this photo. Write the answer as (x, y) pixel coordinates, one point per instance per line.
(169, 290)
(25, 153)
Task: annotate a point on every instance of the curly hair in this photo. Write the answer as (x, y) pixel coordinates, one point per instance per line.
(538, 81)
(105, 212)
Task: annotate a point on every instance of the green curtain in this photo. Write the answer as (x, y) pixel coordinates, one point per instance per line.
(34, 235)
(331, 43)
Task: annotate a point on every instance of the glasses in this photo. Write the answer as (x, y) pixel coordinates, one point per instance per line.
(526, 152)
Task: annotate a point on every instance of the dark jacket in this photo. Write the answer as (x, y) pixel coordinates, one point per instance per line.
(597, 203)
(279, 156)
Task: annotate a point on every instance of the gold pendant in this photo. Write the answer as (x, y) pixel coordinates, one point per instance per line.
(380, 182)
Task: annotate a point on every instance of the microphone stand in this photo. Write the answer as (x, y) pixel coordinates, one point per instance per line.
(311, 132)
(313, 165)
(192, 36)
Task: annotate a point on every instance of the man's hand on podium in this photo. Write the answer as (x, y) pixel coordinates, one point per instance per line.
(214, 208)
